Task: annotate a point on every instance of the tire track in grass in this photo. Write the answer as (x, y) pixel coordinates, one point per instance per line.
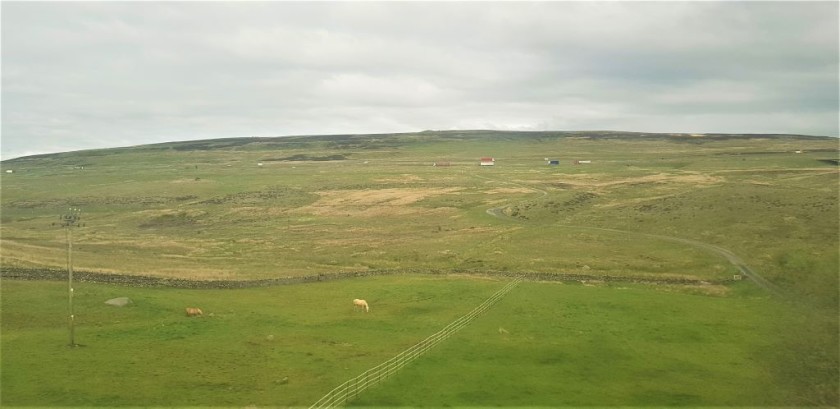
(727, 254)
(731, 257)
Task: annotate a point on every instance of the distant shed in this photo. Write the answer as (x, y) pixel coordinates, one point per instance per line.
(582, 162)
(487, 161)
(553, 162)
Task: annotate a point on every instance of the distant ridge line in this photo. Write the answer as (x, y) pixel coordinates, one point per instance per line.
(235, 141)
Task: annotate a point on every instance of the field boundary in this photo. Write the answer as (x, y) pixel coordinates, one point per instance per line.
(134, 280)
(377, 374)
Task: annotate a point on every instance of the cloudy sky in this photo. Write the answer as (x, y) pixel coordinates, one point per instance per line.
(81, 75)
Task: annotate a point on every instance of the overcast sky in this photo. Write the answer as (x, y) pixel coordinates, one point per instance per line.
(81, 75)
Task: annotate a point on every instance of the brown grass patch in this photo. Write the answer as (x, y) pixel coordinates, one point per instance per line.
(404, 178)
(190, 273)
(373, 203)
(597, 181)
(713, 290)
(509, 190)
(250, 212)
(22, 254)
(188, 180)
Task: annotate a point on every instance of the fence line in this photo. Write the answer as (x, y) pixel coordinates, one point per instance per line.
(377, 374)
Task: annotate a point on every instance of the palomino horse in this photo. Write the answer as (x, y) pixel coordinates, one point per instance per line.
(360, 303)
(194, 312)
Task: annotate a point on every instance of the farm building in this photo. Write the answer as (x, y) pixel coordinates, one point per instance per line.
(553, 162)
(582, 162)
(487, 161)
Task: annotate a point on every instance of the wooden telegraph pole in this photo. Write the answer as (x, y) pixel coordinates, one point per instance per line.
(68, 221)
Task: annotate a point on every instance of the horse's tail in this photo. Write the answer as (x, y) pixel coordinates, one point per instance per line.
(367, 309)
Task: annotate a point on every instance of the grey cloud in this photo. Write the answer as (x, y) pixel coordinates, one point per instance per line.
(98, 74)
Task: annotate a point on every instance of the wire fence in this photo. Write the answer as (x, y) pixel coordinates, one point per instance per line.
(377, 374)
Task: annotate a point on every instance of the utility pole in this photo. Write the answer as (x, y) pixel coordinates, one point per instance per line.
(68, 221)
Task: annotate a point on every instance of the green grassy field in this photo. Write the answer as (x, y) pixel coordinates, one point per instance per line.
(561, 345)
(278, 346)
(255, 208)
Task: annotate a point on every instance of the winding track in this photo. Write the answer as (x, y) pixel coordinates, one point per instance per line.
(725, 253)
(730, 256)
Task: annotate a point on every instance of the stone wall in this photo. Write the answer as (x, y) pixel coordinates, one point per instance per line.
(139, 280)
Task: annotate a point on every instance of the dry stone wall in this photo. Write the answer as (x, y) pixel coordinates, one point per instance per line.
(139, 280)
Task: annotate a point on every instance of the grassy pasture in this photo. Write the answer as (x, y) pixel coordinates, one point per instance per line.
(571, 345)
(286, 346)
(208, 210)
(279, 346)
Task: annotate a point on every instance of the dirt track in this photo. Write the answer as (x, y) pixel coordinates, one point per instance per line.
(730, 256)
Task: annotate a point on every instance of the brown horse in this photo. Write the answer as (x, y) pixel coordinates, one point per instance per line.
(194, 312)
